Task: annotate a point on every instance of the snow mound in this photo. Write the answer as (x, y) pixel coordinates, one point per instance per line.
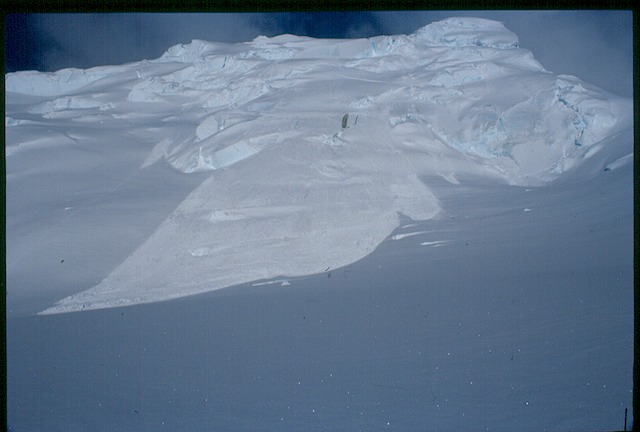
(468, 32)
(315, 148)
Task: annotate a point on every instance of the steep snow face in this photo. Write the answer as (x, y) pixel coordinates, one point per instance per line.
(291, 190)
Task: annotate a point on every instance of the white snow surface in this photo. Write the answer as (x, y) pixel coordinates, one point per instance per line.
(290, 192)
(458, 257)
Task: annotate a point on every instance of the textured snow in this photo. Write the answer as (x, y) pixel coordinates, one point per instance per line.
(290, 191)
(458, 257)
(468, 32)
(47, 84)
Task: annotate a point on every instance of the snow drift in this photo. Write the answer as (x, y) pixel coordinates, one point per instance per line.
(292, 192)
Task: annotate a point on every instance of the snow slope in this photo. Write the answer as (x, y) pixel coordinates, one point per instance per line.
(475, 214)
(290, 191)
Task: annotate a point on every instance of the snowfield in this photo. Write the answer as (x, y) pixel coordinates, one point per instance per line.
(422, 232)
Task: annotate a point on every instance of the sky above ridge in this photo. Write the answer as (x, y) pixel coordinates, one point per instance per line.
(595, 46)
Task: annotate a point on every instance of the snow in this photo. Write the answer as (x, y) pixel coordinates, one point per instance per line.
(465, 237)
(49, 84)
(468, 32)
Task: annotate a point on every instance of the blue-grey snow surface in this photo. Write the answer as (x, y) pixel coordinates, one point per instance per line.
(458, 257)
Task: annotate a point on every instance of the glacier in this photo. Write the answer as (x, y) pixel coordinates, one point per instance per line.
(459, 92)
(226, 165)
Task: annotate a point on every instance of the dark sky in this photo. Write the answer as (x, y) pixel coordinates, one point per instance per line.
(596, 46)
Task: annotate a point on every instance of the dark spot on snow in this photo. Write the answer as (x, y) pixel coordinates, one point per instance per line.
(329, 275)
(61, 261)
(345, 119)
(136, 411)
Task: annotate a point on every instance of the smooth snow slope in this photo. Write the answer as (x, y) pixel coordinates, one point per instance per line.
(459, 257)
(291, 192)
